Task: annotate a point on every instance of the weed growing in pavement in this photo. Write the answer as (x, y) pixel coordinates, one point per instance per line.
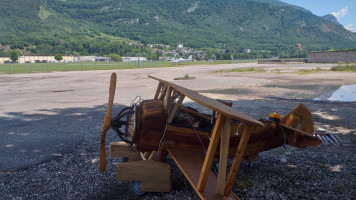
(250, 69)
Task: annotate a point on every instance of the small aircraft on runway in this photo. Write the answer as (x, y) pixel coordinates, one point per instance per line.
(179, 60)
(153, 128)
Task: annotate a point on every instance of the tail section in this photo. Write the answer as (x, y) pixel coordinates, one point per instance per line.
(300, 118)
(299, 127)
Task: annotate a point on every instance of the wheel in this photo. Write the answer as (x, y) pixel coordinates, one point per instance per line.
(136, 188)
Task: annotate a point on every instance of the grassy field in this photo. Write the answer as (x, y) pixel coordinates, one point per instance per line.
(53, 67)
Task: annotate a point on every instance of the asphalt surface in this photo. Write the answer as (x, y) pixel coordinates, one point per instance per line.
(44, 116)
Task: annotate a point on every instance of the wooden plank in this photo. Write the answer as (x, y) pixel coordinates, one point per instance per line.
(121, 149)
(224, 152)
(154, 176)
(212, 104)
(214, 140)
(237, 159)
(158, 90)
(190, 164)
(186, 130)
(175, 108)
(167, 99)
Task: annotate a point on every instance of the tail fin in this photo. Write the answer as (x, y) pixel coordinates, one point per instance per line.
(300, 118)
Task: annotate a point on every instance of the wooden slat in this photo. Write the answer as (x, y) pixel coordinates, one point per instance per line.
(224, 151)
(163, 92)
(144, 155)
(210, 152)
(152, 155)
(121, 149)
(190, 164)
(237, 159)
(158, 90)
(167, 99)
(175, 108)
(212, 104)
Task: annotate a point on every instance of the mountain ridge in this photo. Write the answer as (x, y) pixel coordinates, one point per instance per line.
(234, 24)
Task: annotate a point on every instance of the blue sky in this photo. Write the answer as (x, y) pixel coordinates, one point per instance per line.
(343, 10)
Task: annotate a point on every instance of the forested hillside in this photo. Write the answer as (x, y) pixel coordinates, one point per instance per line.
(88, 26)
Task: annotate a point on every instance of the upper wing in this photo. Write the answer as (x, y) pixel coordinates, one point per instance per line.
(212, 104)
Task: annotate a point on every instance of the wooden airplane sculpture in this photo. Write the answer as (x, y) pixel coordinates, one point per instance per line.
(152, 129)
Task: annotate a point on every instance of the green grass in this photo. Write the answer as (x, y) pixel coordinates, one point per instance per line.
(344, 67)
(310, 71)
(185, 77)
(250, 69)
(85, 66)
(53, 67)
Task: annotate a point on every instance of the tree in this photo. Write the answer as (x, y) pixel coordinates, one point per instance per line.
(14, 56)
(58, 57)
(115, 57)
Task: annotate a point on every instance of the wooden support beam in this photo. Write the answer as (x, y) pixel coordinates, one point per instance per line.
(163, 92)
(237, 159)
(158, 90)
(175, 108)
(211, 152)
(195, 113)
(122, 150)
(144, 155)
(152, 155)
(224, 152)
(167, 99)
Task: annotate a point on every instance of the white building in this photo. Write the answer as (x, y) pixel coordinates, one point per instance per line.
(133, 59)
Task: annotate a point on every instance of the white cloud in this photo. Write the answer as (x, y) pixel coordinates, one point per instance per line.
(340, 14)
(350, 27)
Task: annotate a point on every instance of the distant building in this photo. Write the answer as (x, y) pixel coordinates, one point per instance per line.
(102, 59)
(247, 50)
(180, 46)
(133, 59)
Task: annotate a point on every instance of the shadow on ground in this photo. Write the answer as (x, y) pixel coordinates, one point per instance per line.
(29, 139)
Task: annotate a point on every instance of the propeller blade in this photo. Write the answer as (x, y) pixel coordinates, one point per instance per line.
(107, 121)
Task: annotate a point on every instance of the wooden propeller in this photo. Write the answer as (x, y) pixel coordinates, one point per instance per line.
(107, 121)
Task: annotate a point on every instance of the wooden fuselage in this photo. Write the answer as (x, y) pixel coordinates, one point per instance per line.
(152, 133)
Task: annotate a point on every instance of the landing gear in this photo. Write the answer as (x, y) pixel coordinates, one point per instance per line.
(136, 188)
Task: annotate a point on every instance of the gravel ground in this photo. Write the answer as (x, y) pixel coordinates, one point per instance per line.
(324, 172)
